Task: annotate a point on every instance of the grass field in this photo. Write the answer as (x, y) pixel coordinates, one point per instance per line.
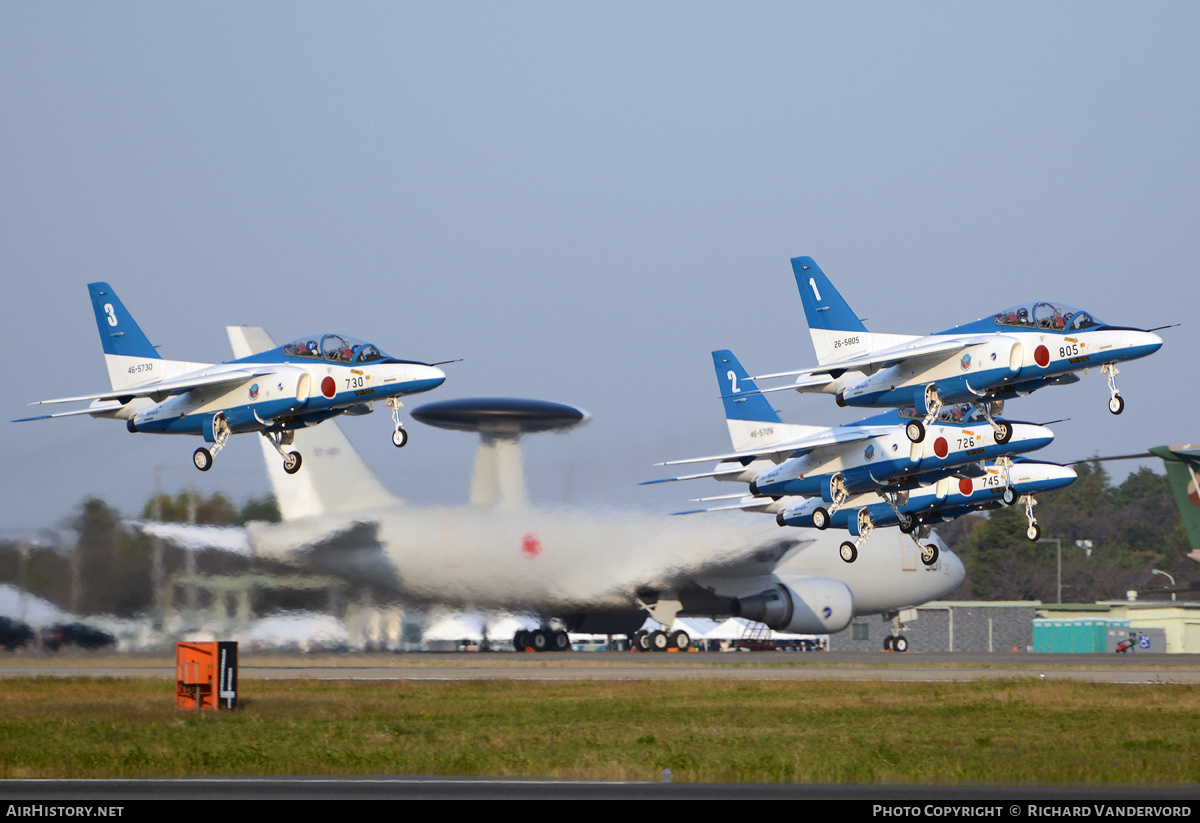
(703, 730)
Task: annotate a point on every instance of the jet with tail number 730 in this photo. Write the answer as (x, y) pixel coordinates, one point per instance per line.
(273, 393)
(1007, 354)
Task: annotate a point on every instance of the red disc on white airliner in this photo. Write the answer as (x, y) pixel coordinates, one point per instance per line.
(940, 447)
(328, 387)
(965, 486)
(1041, 356)
(530, 545)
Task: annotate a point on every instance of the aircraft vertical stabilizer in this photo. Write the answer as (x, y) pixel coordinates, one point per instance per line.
(1181, 463)
(751, 420)
(837, 333)
(337, 481)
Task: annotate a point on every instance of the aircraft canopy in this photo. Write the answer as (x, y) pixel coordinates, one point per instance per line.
(1048, 316)
(336, 348)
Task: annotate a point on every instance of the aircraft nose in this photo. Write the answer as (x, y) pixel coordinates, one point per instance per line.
(1148, 340)
(434, 373)
(953, 568)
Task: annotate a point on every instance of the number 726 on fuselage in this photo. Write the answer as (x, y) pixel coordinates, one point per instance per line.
(274, 392)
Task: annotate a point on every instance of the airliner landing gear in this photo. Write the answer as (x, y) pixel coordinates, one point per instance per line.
(202, 458)
(541, 640)
(291, 460)
(660, 641)
(1034, 531)
(1116, 405)
(896, 641)
(399, 436)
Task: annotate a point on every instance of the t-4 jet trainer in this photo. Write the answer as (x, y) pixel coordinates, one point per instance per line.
(1010, 353)
(274, 392)
(866, 474)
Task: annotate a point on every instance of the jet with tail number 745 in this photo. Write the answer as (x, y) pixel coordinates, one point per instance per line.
(1007, 354)
(273, 392)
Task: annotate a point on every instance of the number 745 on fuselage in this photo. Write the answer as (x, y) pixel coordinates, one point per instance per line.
(274, 393)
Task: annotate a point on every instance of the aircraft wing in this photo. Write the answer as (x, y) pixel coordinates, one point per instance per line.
(880, 359)
(167, 387)
(795, 448)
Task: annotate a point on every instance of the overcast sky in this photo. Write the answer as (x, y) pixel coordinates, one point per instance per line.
(582, 201)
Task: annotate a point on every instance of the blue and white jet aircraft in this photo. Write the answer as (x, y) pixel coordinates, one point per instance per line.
(274, 393)
(871, 456)
(1010, 353)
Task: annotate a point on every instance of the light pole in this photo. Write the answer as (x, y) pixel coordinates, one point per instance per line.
(1168, 576)
(1058, 542)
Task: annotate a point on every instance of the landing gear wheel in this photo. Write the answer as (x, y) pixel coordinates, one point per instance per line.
(1004, 432)
(399, 438)
(681, 640)
(900, 644)
(1008, 496)
(908, 523)
(641, 641)
(929, 554)
(203, 459)
(848, 552)
(1034, 532)
(820, 518)
(914, 430)
(559, 642)
(659, 641)
(291, 462)
(1116, 405)
(888, 643)
(540, 641)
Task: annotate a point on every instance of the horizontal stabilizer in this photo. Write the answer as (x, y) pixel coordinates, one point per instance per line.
(99, 409)
(794, 448)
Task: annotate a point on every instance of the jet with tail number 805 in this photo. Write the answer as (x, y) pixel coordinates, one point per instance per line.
(274, 393)
(1010, 353)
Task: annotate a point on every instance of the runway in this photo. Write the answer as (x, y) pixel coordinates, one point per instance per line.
(755, 666)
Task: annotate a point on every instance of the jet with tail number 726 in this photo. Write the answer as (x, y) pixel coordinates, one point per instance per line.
(1007, 354)
(871, 457)
(273, 392)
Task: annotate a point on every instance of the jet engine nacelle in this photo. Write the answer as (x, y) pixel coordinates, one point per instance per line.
(810, 605)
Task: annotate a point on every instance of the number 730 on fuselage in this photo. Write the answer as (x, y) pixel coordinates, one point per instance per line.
(274, 393)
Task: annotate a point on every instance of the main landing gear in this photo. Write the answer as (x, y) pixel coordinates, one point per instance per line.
(541, 640)
(1116, 404)
(908, 523)
(399, 436)
(660, 641)
(915, 429)
(202, 458)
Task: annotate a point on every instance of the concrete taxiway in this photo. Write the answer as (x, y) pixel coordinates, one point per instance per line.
(757, 666)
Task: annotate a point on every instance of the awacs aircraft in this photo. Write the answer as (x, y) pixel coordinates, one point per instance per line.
(273, 392)
(1010, 353)
(871, 456)
(584, 569)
